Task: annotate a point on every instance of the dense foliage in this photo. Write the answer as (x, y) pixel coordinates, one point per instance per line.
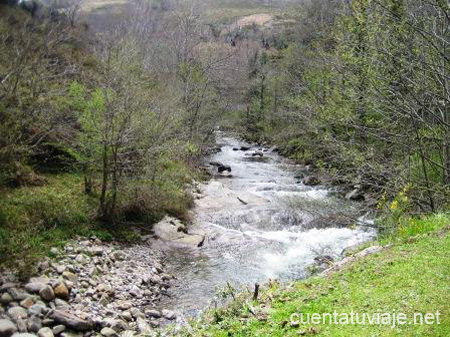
(362, 91)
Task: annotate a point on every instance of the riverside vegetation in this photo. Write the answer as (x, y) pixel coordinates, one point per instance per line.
(105, 119)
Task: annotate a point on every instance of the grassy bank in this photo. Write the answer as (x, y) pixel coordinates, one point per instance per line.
(412, 276)
(35, 218)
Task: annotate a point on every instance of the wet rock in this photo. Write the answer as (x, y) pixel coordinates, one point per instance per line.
(71, 321)
(47, 293)
(311, 181)
(326, 259)
(245, 148)
(355, 195)
(224, 168)
(257, 154)
(45, 332)
(7, 328)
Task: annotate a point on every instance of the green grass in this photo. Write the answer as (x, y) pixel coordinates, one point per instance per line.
(413, 276)
(34, 219)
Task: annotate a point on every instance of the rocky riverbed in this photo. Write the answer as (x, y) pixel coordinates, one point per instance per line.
(89, 288)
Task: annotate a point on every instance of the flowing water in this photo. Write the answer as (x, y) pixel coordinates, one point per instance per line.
(261, 222)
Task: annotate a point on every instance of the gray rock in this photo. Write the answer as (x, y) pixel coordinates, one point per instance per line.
(58, 329)
(169, 314)
(135, 312)
(115, 324)
(6, 286)
(25, 334)
(54, 251)
(127, 333)
(7, 328)
(34, 324)
(96, 251)
(45, 332)
(6, 298)
(18, 294)
(47, 293)
(71, 321)
(60, 303)
(311, 181)
(36, 309)
(154, 324)
(22, 325)
(17, 312)
(355, 195)
(70, 276)
(108, 332)
(60, 268)
(153, 313)
(34, 287)
(135, 291)
(142, 326)
(71, 334)
(118, 255)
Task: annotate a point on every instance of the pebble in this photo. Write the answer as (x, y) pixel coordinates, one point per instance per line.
(45, 332)
(47, 293)
(57, 329)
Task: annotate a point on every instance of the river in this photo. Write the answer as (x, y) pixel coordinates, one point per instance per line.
(261, 222)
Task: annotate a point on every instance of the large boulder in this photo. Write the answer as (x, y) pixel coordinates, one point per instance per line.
(71, 321)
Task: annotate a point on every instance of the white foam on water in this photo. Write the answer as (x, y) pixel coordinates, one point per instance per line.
(307, 245)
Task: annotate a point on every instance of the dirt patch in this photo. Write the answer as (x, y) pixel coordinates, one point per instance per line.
(257, 19)
(262, 19)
